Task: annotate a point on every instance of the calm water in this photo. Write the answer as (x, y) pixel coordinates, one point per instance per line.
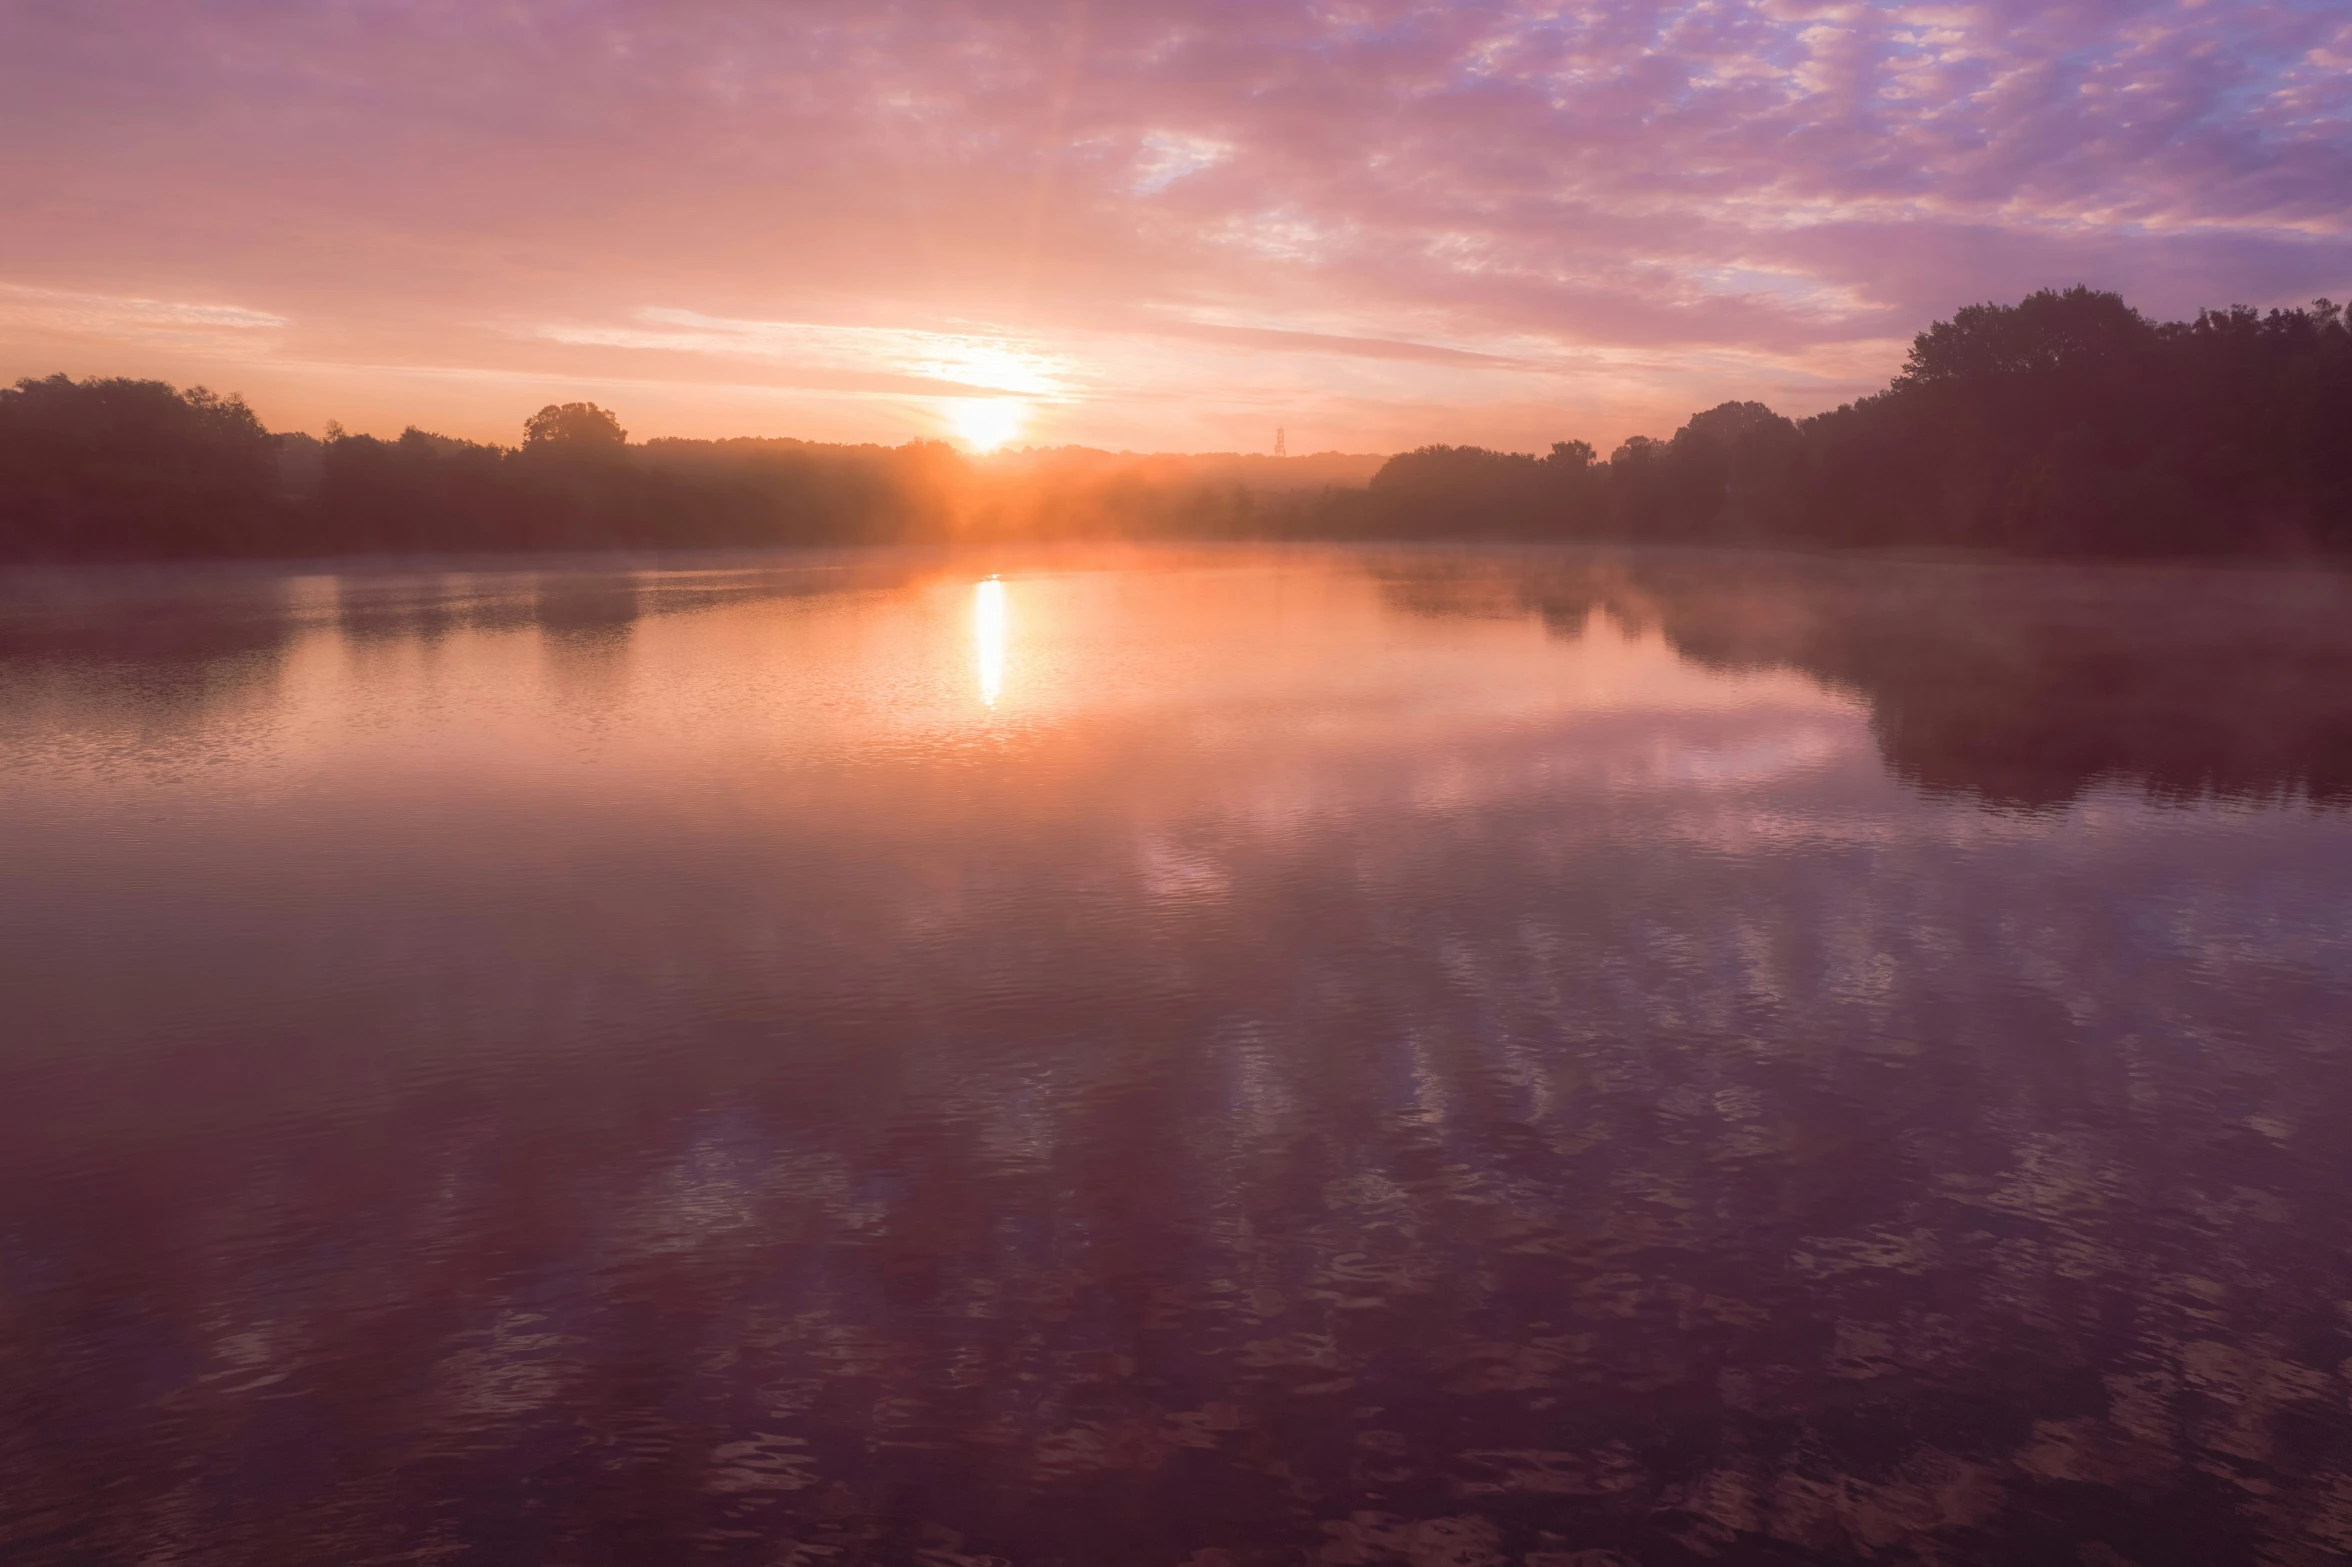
(1224, 1059)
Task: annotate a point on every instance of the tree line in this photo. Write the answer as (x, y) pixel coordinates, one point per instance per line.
(2068, 423)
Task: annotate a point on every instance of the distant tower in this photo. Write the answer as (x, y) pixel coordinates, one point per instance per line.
(1278, 451)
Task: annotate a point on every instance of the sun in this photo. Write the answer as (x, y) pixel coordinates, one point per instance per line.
(986, 423)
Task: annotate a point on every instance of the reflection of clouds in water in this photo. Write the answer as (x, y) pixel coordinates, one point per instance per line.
(1743, 761)
(1263, 1105)
(1179, 871)
(1373, 1139)
(1419, 1207)
(505, 1373)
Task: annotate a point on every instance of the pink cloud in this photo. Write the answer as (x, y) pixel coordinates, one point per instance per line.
(1374, 223)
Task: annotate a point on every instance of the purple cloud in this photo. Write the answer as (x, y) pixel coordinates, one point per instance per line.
(1376, 223)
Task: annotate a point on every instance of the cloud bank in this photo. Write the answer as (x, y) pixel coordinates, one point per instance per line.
(1161, 223)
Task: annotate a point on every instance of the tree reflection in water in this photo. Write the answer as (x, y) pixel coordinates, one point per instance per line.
(2019, 685)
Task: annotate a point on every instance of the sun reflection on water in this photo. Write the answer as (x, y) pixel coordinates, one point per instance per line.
(989, 625)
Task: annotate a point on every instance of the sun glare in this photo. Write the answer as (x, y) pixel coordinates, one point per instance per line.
(986, 423)
(989, 625)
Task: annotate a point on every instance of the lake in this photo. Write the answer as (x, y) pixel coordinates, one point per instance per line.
(1221, 1057)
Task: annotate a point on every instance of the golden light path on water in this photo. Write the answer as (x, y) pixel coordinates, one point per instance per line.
(989, 626)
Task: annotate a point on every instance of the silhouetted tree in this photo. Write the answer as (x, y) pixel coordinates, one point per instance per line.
(2067, 423)
(574, 426)
(115, 468)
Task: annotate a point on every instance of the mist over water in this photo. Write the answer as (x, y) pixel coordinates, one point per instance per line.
(1223, 1057)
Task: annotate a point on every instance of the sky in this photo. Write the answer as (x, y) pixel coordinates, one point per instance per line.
(1157, 225)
